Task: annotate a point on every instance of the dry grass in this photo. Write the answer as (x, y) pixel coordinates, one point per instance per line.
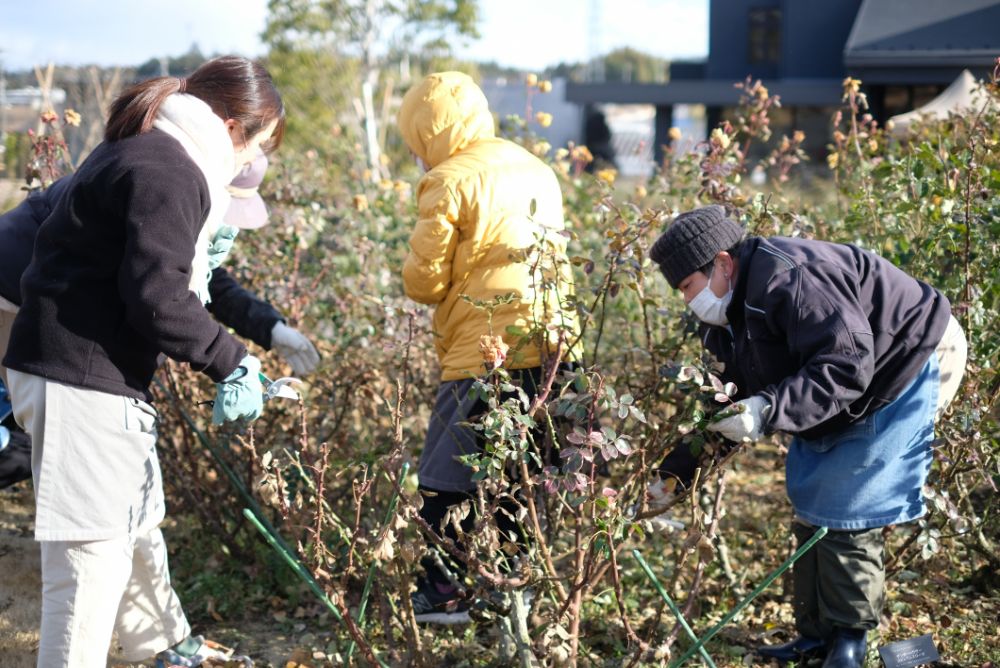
(20, 584)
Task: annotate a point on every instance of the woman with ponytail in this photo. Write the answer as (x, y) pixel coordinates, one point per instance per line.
(119, 279)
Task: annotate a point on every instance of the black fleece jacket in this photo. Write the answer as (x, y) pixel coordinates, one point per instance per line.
(827, 333)
(107, 291)
(232, 304)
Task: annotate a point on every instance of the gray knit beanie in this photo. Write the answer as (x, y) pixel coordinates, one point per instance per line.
(692, 241)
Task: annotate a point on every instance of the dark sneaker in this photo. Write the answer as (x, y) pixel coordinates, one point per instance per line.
(431, 605)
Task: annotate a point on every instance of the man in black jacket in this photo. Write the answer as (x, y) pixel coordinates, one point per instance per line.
(231, 304)
(854, 358)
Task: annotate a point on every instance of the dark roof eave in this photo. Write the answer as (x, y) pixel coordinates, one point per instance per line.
(955, 57)
(713, 93)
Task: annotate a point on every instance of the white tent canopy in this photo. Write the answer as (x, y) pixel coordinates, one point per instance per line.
(962, 94)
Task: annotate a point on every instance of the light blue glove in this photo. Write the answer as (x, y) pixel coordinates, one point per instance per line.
(221, 244)
(241, 395)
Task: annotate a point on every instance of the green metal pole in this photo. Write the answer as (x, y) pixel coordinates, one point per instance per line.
(293, 563)
(299, 569)
(226, 469)
(670, 604)
(363, 606)
(754, 594)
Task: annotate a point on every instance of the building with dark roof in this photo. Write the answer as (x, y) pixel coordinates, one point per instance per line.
(904, 51)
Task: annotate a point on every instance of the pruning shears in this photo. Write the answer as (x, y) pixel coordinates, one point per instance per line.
(279, 388)
(272, 389)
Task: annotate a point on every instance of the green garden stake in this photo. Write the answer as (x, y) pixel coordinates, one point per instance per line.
(363, 606)
(234, 479)
(294, 564)
(699, 645)
(299, 569)
(673, 607)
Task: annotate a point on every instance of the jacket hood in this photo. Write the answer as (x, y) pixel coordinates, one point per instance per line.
(443, 114)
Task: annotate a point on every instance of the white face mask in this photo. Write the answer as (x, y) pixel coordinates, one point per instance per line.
(710, 309)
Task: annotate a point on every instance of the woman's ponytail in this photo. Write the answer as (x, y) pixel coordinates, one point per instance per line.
(234, 87)
(133, 112)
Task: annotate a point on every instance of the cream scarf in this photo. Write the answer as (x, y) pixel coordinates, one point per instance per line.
(206, 141)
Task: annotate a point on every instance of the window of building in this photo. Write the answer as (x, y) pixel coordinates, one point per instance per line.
(898, 99)
(924, 94)
(765, 36)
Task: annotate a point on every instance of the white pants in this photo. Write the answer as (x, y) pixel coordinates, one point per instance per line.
(99, 503)
(93, 460)
(90, 589)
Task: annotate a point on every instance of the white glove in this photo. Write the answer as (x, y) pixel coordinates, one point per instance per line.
(747, 423)
(295, 348)
(659, 494)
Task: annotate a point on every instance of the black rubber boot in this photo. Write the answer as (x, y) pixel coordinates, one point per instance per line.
(801, 648)
(847, 649)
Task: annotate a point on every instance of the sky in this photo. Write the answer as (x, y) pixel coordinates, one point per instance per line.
(528, 34)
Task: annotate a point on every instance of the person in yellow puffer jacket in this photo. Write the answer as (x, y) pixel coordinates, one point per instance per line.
(485, 206)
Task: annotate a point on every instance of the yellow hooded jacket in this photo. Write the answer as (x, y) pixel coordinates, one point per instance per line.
(475, 223)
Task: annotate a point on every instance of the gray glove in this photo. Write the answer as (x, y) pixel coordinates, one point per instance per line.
(295, 348)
